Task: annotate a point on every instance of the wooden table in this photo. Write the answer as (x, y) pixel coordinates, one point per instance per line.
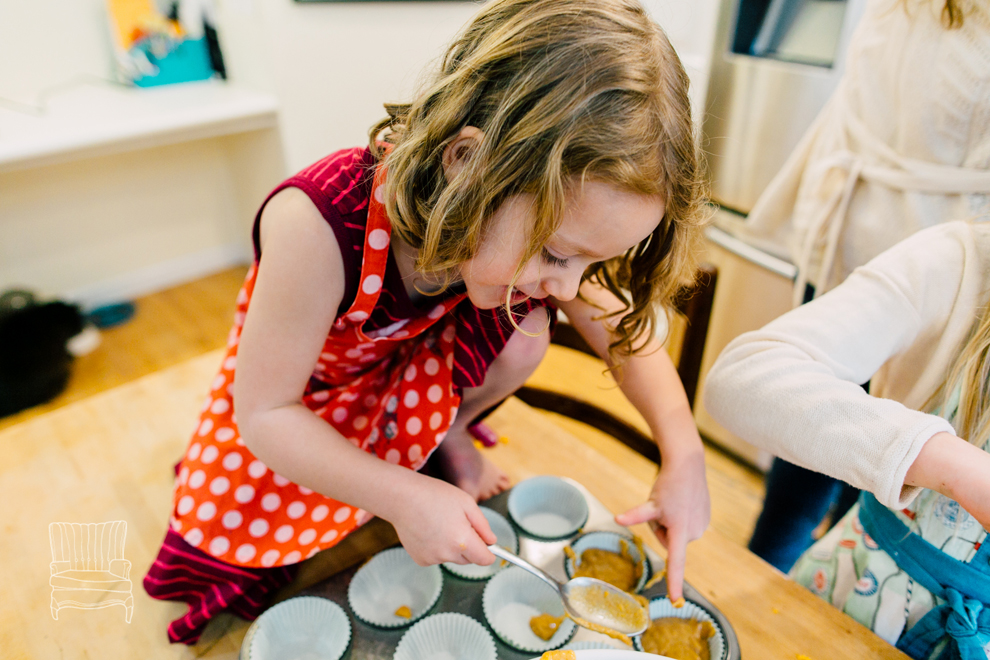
(110, 457)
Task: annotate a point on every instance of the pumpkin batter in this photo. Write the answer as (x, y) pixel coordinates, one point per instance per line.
(681, 639)
(558, 655)
(545, 626)
(597, 599)
(620, 570)
(404, 612)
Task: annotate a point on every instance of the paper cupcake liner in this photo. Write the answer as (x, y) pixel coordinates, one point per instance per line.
(306, 626)
(390, 580)
(446, 635)
(589, 646)
(661, 608)
(608, 541)
(548, 508)
(507, 538)
(512, 598)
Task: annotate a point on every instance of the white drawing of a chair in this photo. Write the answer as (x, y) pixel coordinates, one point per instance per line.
(88, 566)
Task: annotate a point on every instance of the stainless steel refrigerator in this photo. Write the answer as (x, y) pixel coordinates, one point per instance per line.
(775, 64)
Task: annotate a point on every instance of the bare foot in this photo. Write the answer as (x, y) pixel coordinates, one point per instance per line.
(468, 469)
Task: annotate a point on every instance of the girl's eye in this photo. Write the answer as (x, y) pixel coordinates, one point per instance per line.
(552, 260)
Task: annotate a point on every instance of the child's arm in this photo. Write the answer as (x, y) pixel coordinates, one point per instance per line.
(299, 287)
(679, 506)
(793, 389)
(957, 469)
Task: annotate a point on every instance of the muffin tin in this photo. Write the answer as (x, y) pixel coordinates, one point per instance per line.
(465, 596)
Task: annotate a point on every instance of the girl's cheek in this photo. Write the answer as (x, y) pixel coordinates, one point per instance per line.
(531, 272)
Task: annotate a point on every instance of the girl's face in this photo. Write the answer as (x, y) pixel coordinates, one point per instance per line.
(600, 222)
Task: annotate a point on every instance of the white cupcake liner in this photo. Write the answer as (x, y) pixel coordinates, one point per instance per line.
(588, 646)
(302, 627)
(446, 636)
(507, 538)
(548, 508)
(512, 598)
(661, 608)
(390, 580)
(608, 541)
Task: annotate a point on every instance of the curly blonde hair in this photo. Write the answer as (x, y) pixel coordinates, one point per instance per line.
(564, 91)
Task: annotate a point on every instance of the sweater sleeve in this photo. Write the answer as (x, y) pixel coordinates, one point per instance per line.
(793, 387)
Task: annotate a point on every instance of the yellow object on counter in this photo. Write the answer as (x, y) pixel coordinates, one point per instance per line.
(558, 655)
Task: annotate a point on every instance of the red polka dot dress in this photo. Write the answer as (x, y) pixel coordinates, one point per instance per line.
(388, 381)
(389, 393)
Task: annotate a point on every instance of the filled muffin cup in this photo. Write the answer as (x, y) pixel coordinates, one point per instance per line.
(507, 538)
(548, 508)
(611, 541)
(390, 585)
(662, 608)
(305, 626)
(446, 635)
(510, 601)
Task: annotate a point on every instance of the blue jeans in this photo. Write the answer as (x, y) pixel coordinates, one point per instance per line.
(797, 500)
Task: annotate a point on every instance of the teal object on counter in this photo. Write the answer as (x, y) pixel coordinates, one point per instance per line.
(186, 61)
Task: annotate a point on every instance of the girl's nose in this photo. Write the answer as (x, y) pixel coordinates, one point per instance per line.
(562, 287)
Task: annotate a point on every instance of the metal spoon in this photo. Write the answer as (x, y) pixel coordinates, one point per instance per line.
(582, 598)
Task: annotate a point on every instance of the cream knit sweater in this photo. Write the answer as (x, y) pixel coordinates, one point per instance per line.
(903, 144)
(792, 387)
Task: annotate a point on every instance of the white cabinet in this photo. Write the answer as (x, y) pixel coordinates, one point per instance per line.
(112, 192)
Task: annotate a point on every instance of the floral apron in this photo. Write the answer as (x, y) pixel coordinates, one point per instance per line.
(388, 391)
(919, 577)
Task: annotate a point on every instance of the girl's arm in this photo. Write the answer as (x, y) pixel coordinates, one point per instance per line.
(299, 286)
(957, 469)
(679, 508)
(793, 387)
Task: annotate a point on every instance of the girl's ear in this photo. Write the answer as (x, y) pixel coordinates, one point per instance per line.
(459, 151)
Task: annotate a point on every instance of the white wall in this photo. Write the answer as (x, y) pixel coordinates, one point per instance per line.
(332, 65)
(44, 43)
(690, 26)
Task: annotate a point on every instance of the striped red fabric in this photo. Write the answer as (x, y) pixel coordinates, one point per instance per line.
(208, 586)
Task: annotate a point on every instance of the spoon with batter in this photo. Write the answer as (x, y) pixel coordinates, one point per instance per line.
(593, 604)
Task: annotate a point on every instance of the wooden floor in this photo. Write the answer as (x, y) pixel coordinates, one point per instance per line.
(188, 320)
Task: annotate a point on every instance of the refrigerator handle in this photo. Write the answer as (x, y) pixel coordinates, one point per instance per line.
(754, 255)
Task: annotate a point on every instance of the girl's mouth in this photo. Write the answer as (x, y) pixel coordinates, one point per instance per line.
(517, 296)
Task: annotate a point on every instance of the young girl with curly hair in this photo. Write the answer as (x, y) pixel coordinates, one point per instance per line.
(402, 289)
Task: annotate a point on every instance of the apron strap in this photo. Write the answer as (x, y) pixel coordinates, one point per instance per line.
(963, 619)
(964, 588)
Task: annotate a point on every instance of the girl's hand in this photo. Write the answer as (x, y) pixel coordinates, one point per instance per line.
(678, 512)
(437, 522)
